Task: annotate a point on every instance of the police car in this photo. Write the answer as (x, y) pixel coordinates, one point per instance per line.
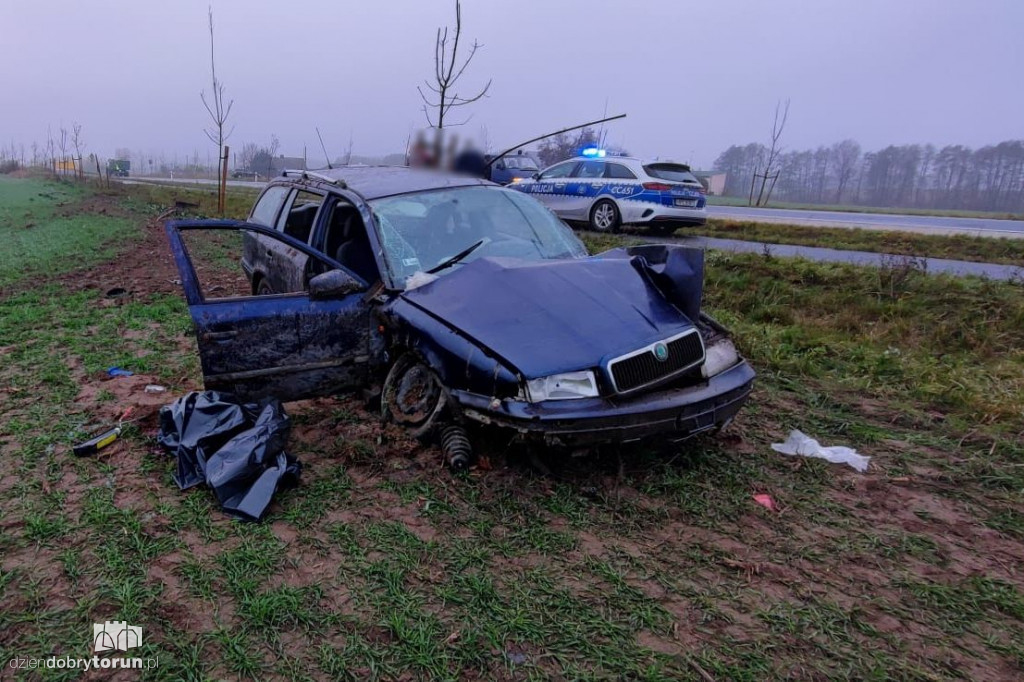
(607, 192)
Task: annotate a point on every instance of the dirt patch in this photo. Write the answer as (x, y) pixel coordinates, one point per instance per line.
(137, 273)
(108, 398)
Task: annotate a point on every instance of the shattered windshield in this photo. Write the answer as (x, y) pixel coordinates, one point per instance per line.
(419, 232)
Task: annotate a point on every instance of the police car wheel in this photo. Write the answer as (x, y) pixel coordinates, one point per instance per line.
(604, 217)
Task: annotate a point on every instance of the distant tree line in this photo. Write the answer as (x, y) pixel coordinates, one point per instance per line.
(989, 178)
(567, 145)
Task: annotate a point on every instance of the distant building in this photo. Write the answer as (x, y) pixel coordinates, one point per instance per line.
(713, 181)
(283, 163)
(269, 166)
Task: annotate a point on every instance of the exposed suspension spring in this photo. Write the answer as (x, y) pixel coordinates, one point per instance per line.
(456, 448)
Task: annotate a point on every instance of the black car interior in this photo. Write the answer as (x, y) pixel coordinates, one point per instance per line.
(348, 243)
(300, 221)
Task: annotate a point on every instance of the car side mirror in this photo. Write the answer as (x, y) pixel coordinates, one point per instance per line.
(536, 176)
(333, 284)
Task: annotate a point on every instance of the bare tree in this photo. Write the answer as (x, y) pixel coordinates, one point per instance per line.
(51, 150)
(78, 143)
(438, 106)
(62, 144)
(246, 157)
(218, 110)
(771, 171)
(847, 156)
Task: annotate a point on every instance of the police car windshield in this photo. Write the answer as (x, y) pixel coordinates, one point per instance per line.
(419, 231)
(672, 172)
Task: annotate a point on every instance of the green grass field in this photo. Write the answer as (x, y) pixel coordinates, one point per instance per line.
(644, 562)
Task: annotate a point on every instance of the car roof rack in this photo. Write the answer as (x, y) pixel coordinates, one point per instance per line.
(306, 175)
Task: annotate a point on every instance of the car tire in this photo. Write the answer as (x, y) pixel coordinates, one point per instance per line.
(263, 288)
(605, 216)
(413, 395)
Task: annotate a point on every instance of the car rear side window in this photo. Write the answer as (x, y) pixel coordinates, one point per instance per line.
(297, 221)
(673, 172)
(266, 209)
(619, 172)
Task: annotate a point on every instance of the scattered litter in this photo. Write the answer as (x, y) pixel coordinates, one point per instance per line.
(804, 446)
(101, 440)
(515, 658)
(766, 501)
(155, 388)
(235, 448)
(119, 372)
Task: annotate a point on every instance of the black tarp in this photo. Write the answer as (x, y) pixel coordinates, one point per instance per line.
(236, 448)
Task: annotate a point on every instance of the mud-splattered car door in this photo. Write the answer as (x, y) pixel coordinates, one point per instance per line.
(291, 346)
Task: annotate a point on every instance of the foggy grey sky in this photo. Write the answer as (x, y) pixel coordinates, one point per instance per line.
(694, 77)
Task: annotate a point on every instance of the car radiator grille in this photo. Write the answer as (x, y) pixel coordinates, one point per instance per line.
(644, 368)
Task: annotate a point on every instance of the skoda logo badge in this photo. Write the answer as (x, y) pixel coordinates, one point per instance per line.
(661, 352)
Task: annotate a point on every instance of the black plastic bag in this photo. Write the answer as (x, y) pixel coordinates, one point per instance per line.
(235, 448)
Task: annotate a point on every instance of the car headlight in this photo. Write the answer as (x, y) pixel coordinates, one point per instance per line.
(568, 386)
(516, 180)
(719, 357)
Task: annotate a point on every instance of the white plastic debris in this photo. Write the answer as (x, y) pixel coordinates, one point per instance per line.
(155, 388)
(418, 279)
(802, 445)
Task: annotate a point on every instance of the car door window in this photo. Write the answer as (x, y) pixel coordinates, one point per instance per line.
(562, 170)
(220, 258)
(269, 205)
(617, 171)
(236, 263)
(590, 170)
(298, 220)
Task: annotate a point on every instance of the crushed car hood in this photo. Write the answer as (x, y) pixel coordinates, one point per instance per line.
(553, 316)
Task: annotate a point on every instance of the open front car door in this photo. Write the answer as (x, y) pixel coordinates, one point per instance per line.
(289, 345)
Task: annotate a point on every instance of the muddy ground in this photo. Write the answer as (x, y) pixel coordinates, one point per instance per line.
(631, 562)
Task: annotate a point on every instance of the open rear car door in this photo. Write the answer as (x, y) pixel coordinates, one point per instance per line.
(291, 346)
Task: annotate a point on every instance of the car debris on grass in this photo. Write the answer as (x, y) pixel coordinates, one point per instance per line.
(235, 448)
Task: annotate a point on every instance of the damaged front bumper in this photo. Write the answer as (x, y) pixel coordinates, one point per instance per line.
(673, 413)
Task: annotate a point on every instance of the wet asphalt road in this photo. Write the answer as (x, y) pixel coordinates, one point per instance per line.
(875, 221)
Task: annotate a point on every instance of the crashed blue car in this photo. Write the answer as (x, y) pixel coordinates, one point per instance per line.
(458, 302)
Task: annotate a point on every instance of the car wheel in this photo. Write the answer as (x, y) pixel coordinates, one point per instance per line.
(604, 216)
(263, 288)
(413, 395)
